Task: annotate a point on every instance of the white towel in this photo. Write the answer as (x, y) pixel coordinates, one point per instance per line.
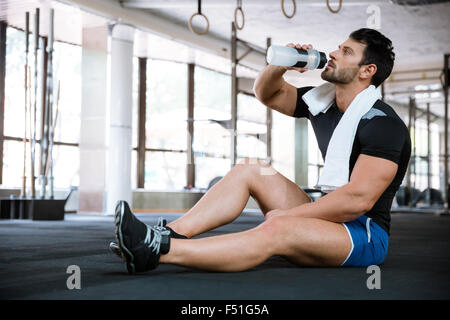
(335, 171)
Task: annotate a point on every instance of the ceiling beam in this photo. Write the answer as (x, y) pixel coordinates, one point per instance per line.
(164, 4)
(173, 30)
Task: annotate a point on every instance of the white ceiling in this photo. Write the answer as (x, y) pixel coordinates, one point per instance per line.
(420, 34)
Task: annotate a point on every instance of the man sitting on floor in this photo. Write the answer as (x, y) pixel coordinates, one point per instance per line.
(349, 226)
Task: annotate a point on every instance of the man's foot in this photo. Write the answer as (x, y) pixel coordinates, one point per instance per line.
(114, 247)
(139, 245)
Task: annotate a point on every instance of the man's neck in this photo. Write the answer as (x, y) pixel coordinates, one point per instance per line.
(345, 93)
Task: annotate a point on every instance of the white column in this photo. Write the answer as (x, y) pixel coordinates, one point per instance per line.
(119, 150)
(91, 191)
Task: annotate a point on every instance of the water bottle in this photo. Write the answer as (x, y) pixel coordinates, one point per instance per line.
(293, 57)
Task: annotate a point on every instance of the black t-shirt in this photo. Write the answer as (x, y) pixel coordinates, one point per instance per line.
(381, 133)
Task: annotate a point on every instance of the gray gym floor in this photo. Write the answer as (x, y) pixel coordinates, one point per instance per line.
(34, 256)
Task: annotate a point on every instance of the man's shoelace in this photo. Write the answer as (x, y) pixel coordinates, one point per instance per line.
(160, 224)
(158, 232)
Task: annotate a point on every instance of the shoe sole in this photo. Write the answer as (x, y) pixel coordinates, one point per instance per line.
(114, 248)
(125, 253)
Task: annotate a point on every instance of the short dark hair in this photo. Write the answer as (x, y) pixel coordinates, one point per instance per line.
(378, 51)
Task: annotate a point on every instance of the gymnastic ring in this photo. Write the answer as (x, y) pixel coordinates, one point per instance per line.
(238, 9)
(192, 28)
(331, 9)
(284, 12)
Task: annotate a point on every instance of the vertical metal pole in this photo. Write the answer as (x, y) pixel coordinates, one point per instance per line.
(141, 123)
(428, 156)
(382, 92)
(234, 91)
(190, 181)
(35, 97)
(2, 90)
(269, 120)
(446, 84)
(49, 154)
(44, 119)
(23, 192)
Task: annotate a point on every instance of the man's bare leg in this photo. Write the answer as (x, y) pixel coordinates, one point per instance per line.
(226, 200)
(303, 241)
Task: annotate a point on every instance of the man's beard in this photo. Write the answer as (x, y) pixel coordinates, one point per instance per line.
(341, 76)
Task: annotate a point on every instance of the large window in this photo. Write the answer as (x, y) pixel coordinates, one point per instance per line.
(14, 108)
(12, 163)
(212, 100)
(66, 72)
(166, 126)
(251, 128)
(14, 83)
(419, 175)
(165, 170)
(166, 122)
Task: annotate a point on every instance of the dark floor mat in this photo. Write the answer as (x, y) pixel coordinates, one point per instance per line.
(35, 255)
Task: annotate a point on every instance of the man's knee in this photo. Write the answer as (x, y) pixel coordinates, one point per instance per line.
(276, 229)
(255, 166)
(274, 226)
(247, 167)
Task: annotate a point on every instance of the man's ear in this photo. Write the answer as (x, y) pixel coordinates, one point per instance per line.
(367, 71)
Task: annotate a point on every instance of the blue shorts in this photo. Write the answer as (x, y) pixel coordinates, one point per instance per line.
(369, 243)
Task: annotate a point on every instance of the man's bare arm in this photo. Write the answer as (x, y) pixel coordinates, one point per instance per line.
(273, 91)
(370, 178)
(268, 82)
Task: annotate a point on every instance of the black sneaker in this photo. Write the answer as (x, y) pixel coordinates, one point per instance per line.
(114, 247)
(139, 244)
(162, 223)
